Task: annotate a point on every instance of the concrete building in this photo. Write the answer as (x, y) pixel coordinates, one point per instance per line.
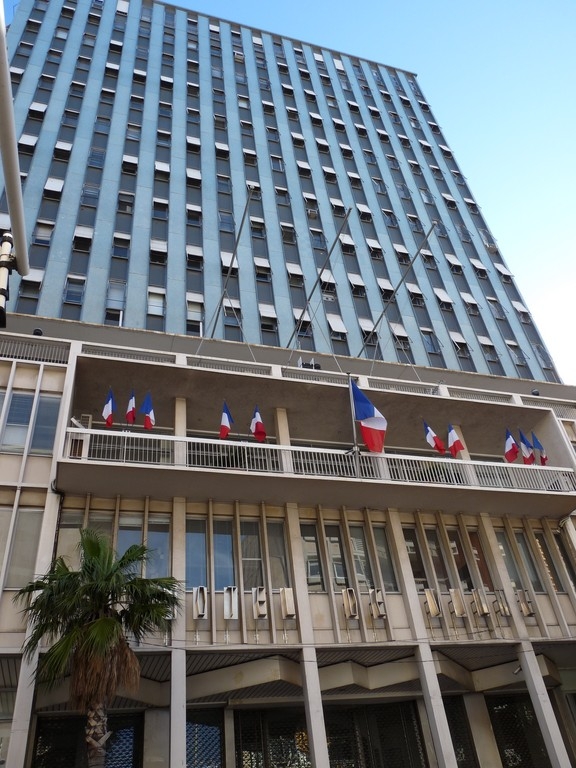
(217, 213)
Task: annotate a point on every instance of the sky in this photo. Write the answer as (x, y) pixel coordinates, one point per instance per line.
(500, 77)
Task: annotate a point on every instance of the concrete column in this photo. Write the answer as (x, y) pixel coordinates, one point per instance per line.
(543, 707)
(229, 739)
(303, 611)
(317, 743)
(283, 437)
(481, 730)
(156, 741)
(435, 707)
(178, 635)
(180, 427)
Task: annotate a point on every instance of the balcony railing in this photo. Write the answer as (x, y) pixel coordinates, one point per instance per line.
(129, 448)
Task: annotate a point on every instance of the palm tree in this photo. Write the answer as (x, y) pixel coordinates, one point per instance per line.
(88, 613)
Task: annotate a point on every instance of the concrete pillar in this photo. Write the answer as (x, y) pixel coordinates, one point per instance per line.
(283, 438)
(481, 730)
(156, 741)
(178, 636)
(229, 739)
(180, 427)
(435, 707)
(317, 744)
(543, 707)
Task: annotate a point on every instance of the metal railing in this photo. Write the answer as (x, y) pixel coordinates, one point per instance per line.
(196, 453)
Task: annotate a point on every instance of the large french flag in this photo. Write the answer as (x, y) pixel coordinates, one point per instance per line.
(225, 422)
(109, 408)
(455, 445)
(257, 426)
(540, 448)
(527, 449)
(148, 411)
(373, 425)
(433, 440)
(131, 409)
(511, 449)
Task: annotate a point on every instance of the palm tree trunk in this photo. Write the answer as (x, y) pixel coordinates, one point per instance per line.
(97, 734)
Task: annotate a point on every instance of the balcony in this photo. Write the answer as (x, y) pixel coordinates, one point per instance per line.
(162, 466)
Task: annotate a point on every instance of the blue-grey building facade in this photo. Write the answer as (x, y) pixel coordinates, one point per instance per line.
(190, 175)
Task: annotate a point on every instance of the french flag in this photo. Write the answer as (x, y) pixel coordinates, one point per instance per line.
(225, 422)
(527, 449)
(433, 440)
(540, 448)
(148, 411)
(373, 425)
(257, 426)
(131, 409)
(511, 449)
(109, 408)
(455, 445)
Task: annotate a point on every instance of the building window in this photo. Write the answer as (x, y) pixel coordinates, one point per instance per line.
(74, 290)
(312, 560)
(224, 571)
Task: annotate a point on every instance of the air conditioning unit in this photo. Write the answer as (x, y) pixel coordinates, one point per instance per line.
(287, 603)
(199, 603)
(377, 606)
(350, 603)
(230, 603)
(259, 602)
(312, 213)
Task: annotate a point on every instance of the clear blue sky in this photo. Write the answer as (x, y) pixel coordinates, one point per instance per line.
(500, 76)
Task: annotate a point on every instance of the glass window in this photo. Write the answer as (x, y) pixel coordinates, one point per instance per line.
(45, 424)
(24, 547)
(158, 541)
(528, 561)
(129, 532)
(69, 527)
(481, 561)
(506, 553)
(415, 557)
(438, 560)
(361, 559)
(5, 517)
(279, 575)
(336, 557)
(17, 422)
(251, 554)
(464, 577)
(223, 555)
(549, 563)
(312, 558)
(196, 571)
(385, 561)
(566, 559)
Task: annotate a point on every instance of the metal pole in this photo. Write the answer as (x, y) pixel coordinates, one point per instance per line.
(9, 152)
(395, 291)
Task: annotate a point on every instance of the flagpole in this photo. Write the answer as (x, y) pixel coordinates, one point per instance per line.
(355, 447)
(395, 291)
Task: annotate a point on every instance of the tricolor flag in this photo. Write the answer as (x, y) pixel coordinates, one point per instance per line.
(373, 425)
(131, 409)
(511, 447)
(257, 426)
(455, 445)
(148, 411)
(433, 440)
(225, 422)
(109, 408)
(527, 449)
(540, 448)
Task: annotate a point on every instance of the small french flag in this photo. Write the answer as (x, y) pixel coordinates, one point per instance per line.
(131, 409)
(148, 411)
(225, 422)
(540, 448)
(527, 449)
(433, 440)
(455, 445)
(109, 408)
(257, 426)
(373, 424)
(511, 449)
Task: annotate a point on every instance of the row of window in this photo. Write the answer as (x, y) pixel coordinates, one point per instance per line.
(242, 553)
(28, 422)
